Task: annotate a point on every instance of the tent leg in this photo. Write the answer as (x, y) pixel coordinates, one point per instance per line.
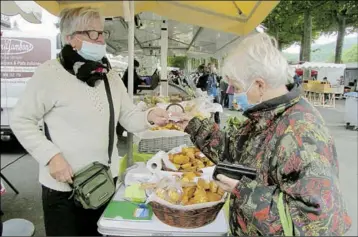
(189, 66)
(219, 66)
(163, 59)
(130, 73)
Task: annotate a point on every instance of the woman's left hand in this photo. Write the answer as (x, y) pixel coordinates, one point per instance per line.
(158, 116)
(226, 183)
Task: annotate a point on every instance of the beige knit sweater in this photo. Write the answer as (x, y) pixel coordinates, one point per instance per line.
(77, 117)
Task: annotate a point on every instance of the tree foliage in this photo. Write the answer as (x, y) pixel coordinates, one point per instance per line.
(281, 25)
(177, 61)
(287, 23)
(344, 14)
(350, 55)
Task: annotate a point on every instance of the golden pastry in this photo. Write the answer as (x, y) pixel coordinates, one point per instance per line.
(213, 197)
(161, 193)
(185, 166)
(202, 184)
(213, 187)
(189, 191)
(173, 196)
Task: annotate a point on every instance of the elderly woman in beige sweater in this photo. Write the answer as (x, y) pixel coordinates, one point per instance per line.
(69, 95)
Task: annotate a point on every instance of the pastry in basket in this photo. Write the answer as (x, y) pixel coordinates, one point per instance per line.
(202, 192)
(190, 159)
(169, 126)
(190, 176)
(171, 195)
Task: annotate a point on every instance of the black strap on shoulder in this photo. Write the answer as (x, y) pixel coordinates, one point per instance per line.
(111, 121)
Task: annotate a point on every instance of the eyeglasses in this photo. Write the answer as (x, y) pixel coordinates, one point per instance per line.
(93, 34)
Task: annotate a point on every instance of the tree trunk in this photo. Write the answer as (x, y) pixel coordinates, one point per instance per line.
(340, 39)
(278, 38)
(307, 40)
(301, 48)
(279, 45)
(307, 36)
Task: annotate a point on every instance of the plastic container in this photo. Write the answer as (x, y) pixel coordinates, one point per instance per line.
(351, 108)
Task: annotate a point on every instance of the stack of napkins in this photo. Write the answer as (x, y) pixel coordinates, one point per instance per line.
(135, 193)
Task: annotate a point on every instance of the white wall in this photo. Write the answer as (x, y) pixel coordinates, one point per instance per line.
(332, 74)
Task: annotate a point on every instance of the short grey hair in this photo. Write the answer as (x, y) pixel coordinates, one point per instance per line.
(257, 56)
(77, 19)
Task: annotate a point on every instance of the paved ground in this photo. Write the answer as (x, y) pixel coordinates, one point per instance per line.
(23, 174)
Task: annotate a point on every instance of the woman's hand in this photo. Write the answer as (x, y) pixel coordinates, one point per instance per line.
(184, 119)
(226, 183)
(158, 116)
(60, 169)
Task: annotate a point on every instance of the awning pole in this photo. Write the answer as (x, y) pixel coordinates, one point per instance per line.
(189, 66)
(130, 74)
(219, 66)
(163, 59)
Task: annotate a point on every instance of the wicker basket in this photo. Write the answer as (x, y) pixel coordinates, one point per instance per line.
(187, 219)
(153, 145)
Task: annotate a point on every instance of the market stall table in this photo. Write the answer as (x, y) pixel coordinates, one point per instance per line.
(155, 227)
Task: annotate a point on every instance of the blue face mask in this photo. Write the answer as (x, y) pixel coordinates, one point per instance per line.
(91, 51)
(242, 100)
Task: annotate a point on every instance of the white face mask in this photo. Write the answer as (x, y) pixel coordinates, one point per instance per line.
(91, 51)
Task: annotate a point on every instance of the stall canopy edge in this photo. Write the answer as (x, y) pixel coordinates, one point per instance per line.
(237, 17)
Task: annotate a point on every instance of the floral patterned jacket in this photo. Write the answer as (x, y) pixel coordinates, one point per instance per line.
(287, 141)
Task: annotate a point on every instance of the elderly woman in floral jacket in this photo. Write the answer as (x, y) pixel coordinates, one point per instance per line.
(285, 139)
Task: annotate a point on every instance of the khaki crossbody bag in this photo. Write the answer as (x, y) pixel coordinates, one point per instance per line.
(93, 185)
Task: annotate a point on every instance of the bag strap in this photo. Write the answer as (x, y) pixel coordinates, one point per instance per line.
(111, 119)
(285, 216)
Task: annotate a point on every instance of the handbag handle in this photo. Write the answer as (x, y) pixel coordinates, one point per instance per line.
(175, 104)
(111, 119)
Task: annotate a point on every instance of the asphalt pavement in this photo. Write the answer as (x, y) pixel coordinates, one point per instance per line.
(24, 173)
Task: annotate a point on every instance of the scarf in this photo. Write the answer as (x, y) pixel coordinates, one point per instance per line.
(87, 71)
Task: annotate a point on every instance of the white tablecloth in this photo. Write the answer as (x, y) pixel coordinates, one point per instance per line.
(155, 227)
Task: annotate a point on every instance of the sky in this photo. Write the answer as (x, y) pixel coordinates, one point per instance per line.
(47, 25)
(49, 20)
(321, 40)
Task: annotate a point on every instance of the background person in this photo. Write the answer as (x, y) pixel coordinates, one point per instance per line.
(223, 88)
(212, 89)
(203, 79)
(136, 79)
(230, 94)
(70, 96)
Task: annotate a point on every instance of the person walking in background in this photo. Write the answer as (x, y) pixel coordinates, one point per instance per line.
(230, 94)
(203, 79)
(355, 86)
(136, 79)
(341, 81)
(212, 89)
(223, 88)
(297, 79)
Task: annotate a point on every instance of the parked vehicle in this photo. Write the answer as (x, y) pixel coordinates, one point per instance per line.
(21, 54)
